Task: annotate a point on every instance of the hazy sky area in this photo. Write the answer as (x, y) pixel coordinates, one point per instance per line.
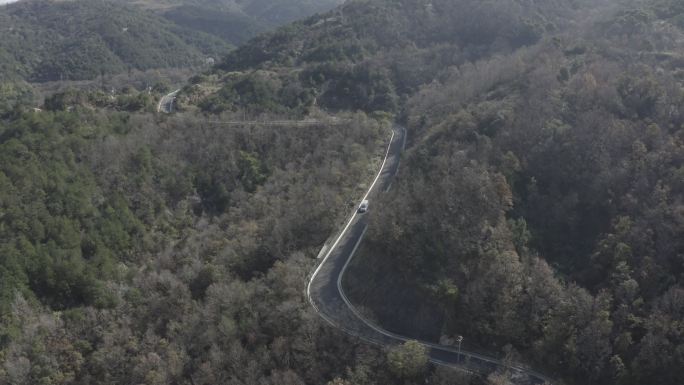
(7, 1)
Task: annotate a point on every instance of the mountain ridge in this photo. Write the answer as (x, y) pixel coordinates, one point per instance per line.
(44, 40)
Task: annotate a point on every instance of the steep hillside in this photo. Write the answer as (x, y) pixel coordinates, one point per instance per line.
(235, 21)
(46, 40)
(540, 208)
(367, 55)
(146, 252)
(538, 211)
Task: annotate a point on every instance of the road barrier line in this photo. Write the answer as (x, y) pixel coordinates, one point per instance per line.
(386, 333)
(344, 231)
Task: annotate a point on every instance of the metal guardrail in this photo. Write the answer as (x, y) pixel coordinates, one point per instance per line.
(365, 330)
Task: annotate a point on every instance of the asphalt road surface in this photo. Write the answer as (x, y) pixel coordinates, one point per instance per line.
(166, 102)
(328, 299)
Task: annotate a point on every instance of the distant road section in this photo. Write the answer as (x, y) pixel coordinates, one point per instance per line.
(330, 302)
(166, 103)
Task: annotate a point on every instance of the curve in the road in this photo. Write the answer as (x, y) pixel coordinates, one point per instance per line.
(166, 102)
(327, 297)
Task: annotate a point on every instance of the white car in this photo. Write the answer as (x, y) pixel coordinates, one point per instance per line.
(363, 207)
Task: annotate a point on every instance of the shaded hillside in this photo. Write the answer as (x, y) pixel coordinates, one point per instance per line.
(45, 40)
(135, 251)
(540, 208)
(235, 21)
(231, 26)
(367, 55)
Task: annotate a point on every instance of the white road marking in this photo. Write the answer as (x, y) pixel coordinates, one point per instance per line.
(378, 329)
(344, 231)
(172, 95)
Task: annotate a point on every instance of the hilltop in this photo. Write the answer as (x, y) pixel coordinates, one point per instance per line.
(45, 40)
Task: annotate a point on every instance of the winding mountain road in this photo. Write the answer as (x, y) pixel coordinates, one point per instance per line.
(328, 299)
(166, 102)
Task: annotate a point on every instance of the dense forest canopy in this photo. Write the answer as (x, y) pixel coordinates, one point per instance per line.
(368, 55)
(46, 40)
(235, 21)
(538, 210)
(135, 236)
(555, 222)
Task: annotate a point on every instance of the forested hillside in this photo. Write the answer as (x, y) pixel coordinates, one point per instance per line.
(235, 21)
(46, 40)
(368, 55)
(143, 252)
(538, 210)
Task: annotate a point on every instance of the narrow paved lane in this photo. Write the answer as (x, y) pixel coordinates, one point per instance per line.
(166, 102)
(328, 299)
